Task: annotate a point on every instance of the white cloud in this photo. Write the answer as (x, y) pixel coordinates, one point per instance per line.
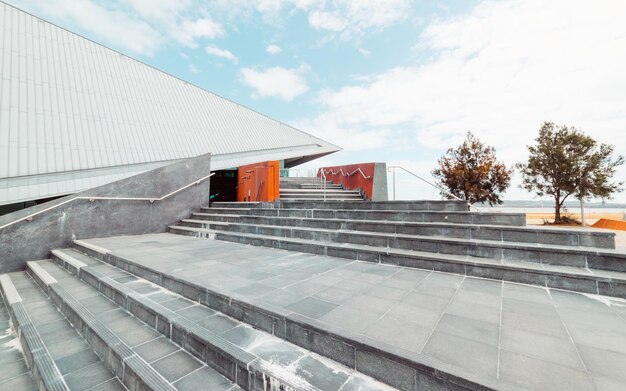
(278, 82)
(273, 49)
(499, 71)
(193, 69)
(137, 26)
(223, 53)
(355, 18)
(188, 31)
(322, 20)
(364, 52)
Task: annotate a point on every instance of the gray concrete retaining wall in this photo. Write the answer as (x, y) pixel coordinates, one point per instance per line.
(80, 219)
(379, 185)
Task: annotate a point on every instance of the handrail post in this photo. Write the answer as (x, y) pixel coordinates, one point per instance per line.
(442, 190)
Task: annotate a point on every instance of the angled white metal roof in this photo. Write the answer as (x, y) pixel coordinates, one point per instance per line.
(75, 114)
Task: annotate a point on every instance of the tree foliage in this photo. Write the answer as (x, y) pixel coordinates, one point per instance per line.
(564, 161)
(471, 172)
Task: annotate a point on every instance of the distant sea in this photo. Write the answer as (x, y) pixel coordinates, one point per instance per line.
(548, 206)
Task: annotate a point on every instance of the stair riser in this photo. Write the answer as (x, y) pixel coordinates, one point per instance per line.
(505, 253)
(237, 369)
(448, 206)
(309, 187)
(320, 193)
(449, 231)
(329, 196)
(334, 344)
(549, 279)
(408, 216)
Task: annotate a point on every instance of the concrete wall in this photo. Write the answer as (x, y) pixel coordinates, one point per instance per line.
(81, 219)
(379, 185)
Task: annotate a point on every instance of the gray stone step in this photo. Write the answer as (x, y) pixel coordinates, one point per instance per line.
(319, 191)
(15, 374)
(546, 254)
(309, 186)
(452, 206)
(133, 350)
(544, 235)
(300, 179)
(206, 333)
(602, 282)
(321, 197)
(449, 217)
(342, 198)
(59, 356)
(408, 371)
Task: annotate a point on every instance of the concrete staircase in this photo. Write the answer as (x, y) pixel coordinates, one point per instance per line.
(441, 236)
(89, 319)
(312, 189)
(87, 322)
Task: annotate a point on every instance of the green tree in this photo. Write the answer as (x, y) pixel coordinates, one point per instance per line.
(471, 172)
(564, 161)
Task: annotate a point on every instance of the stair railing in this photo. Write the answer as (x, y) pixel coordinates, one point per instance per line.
(442, 190)
(323, 182)
(93, 198)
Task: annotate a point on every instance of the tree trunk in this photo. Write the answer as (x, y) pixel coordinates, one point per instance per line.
(557, 210)
(582, 212)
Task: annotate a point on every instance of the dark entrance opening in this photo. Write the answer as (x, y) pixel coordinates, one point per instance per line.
(224, 186)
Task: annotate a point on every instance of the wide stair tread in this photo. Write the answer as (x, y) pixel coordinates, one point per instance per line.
(432, 229)
(61, 358)
(548, 254)
(449, 217)
(275, 360)
(139, 353)
(319, 191)
(434, 260)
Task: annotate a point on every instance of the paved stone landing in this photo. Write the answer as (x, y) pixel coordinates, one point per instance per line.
(529, 337)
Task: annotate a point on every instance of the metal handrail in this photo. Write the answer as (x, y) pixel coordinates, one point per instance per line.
(93, 198)
(340, 171)
(323, 182)
(361, 171)
(444, 191)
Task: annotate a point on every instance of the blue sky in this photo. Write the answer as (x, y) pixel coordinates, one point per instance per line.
(398, 81)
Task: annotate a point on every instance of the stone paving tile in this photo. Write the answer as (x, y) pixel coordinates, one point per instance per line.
(13, 369)
(156, 349)
(111, 385)
(88, 377)
(471, 329)
(399, 333)
(476, 357)
(603, 363)
(311, 307)
(20, 382)
(217, 323)
(62, 348)
(348, 319)
(75, 361)
(490, 328)
(534, 374)
(176, 365)
(203, 379)
(558, 350)
(196, 312)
